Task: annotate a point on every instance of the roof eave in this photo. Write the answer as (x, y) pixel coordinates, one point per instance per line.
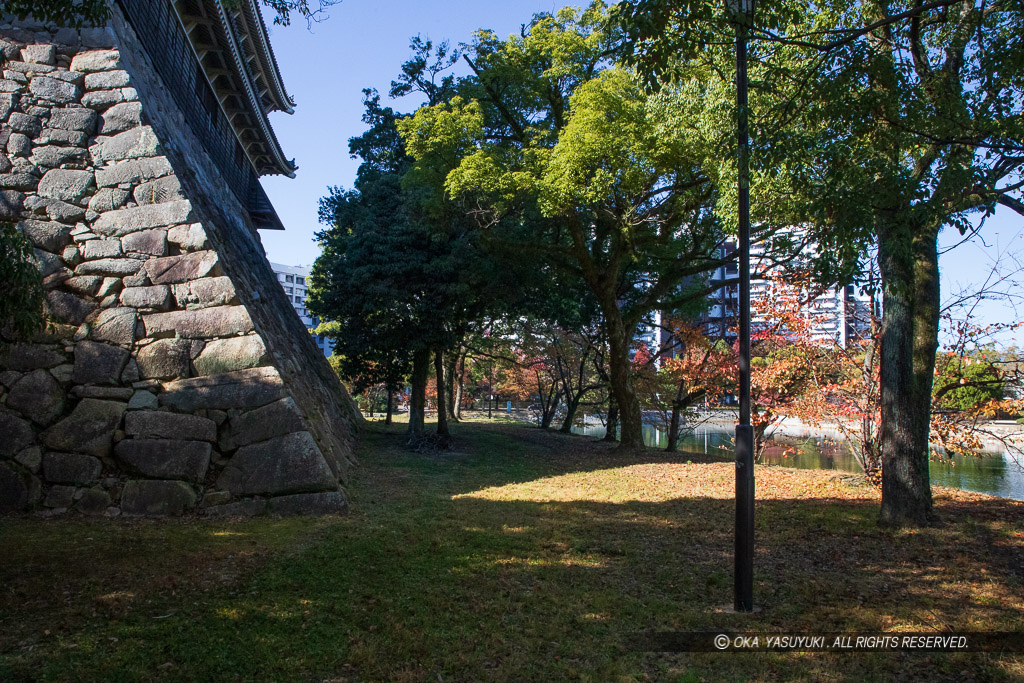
(280, 163)
(268, 61)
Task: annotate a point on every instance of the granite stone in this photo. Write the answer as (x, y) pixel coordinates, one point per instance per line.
(160, 424)
(88, 429)
(154, 498)
(165, 458)
(286, 464)
(97, 363)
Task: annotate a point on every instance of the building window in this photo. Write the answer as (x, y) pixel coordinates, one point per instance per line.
(301, 280)
(289, 278)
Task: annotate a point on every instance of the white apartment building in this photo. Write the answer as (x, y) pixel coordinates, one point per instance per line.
(651, 334)
(294, 280)
(837, 315)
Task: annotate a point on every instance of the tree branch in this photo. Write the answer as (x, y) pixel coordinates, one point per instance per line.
(1011, 203)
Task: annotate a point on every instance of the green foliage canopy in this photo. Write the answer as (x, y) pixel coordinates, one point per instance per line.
(21, 306)
(872, 121)
(968, 382)
(550, 141)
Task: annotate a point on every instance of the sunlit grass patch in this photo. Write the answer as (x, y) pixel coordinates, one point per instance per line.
(664, 481)
(232, 613)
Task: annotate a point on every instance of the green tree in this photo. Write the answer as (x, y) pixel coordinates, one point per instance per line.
(880, 120)
(368, 277)
(549, 138)
(402, 256)
(967, 383)
(21, 307)
(75, 13)
(370, 351)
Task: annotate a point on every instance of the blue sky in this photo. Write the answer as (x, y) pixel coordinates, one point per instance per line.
(364, 42)
(361, 45)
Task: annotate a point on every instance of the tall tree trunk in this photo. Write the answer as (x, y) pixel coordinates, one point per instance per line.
(683, 401)
(869, 433)
(418, 398)
(672, 444)
(571, 406)
(631, 437)
(391, 402)
(673, 426)
(760, 429)
(442, 406)
(908, 260)
(451, 363)
(548, 415)
(612, 423)
(459, 385)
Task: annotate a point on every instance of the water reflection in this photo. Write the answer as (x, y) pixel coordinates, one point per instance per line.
(993, 473)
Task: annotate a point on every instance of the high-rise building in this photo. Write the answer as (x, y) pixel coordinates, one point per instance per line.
(294, 280)
(722, 314)
(651, 334)
(838, 315)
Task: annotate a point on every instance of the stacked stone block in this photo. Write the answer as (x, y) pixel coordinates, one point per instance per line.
(153, 390)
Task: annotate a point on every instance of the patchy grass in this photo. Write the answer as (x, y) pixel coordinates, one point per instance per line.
(522, 555)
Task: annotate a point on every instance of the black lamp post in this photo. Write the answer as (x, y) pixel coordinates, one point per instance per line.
(742, 14)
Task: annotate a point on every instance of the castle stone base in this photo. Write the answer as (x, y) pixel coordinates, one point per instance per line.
(175, 377)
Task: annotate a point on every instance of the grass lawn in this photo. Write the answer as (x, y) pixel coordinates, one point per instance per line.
(521, 555)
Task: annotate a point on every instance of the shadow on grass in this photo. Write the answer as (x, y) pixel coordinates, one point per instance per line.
(545, 591)
(468, 566)
(494, 454)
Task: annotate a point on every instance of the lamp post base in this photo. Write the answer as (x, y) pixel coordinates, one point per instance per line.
(743, 578)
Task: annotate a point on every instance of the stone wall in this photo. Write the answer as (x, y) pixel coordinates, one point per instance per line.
(175, 375)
